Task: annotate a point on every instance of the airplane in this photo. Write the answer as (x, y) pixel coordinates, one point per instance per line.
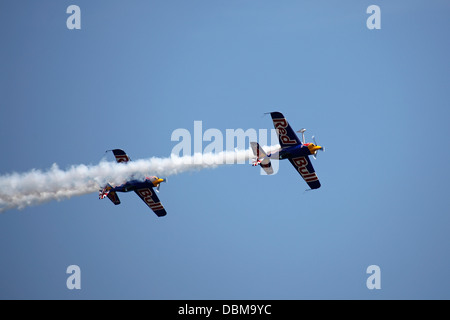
(144, 189)
(292, 148)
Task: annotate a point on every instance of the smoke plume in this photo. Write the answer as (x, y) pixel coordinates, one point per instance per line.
(19, 190)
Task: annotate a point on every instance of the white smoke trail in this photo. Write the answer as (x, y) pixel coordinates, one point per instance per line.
(19, 190)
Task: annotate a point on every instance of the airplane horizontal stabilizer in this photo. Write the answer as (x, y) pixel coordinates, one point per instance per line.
(261, 154)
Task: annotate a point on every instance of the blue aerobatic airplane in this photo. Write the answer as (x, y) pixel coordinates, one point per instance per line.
(292, 148)
(144, 189)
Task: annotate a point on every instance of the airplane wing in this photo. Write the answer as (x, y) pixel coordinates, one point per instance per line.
(286, 135)
(120, 155)
(304, 166)
(151, 199)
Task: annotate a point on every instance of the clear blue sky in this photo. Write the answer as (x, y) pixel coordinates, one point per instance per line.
(378, 100)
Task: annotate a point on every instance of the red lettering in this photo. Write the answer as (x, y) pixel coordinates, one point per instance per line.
(281, 125)
(122, 158)
(303, 170)
(286, 140)
(300, 162)
(145, 192)
(147, 197)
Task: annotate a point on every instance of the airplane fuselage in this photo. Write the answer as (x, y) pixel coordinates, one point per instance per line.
(290, 152)
(138, 184)
(131, 186)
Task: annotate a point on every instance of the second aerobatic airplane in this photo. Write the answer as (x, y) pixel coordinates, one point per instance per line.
(292, 148)
(144, 189)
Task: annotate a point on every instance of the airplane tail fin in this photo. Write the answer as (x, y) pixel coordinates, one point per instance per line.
(261, 158)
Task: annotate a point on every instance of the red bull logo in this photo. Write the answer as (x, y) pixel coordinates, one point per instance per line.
(300, 163)
(146, 195)
(281, 125)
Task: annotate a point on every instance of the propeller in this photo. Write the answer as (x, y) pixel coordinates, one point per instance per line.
(315, 154)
